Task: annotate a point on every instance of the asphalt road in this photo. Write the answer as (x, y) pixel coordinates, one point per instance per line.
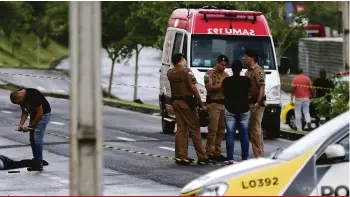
(124, 129)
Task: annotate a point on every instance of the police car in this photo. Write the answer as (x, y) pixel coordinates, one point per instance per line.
(316, 164)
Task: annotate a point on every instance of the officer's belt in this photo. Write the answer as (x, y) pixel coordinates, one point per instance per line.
(180, 97)
(218, 101)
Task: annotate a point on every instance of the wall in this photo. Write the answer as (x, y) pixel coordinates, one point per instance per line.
(318, 53)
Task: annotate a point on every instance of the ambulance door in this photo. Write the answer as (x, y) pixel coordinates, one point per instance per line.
(166, 63)
(332, 168)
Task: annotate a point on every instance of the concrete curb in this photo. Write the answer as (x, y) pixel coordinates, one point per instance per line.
(116, 104)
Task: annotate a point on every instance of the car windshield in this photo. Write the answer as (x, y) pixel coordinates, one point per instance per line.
(206, 48)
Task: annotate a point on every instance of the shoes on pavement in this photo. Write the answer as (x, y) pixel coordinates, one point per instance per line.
(219, 158)
(45, 163)
(182, 162)
(35, 169)
(231, 162)
(206, 162)
(190, 159)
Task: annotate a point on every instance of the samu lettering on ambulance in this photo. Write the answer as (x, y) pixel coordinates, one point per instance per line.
(231, 31)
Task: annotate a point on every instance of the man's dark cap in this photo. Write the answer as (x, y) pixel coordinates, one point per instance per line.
(223, 58)
(177, 57)
(251, 53)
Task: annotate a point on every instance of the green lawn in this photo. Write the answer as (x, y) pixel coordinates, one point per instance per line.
(26, 55)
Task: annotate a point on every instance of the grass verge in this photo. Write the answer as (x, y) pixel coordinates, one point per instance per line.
(25, 56)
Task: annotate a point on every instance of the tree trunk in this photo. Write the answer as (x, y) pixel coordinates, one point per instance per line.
(136, 71)
(111, 79)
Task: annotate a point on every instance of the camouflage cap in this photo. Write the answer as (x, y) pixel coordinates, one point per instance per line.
(223, 58)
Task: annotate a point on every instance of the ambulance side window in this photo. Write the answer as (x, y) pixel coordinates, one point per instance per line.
(184, 46)
(167, 47)
(177, 43)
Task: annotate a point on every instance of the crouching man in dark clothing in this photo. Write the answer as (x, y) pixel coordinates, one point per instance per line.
(8, 164)
(34, 103)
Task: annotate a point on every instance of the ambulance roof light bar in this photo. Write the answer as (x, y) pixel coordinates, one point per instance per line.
(230, 14)
(234, 12)
(189, 6)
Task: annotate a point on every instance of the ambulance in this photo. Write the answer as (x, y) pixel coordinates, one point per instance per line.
(202, 34)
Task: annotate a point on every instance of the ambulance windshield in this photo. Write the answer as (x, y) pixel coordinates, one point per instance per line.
(206, 48)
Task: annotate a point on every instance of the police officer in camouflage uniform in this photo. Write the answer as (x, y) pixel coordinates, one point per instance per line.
(256, 75)
(215, 100)
(185, 96)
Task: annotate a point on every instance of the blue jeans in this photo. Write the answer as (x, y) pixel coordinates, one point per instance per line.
(37, 137)
(232, 121)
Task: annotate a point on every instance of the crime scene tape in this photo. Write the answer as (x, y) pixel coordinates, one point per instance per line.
(305, 86)
(67, 79)
(128, 150)
(152, 87)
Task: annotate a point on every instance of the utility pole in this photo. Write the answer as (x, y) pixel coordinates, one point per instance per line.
(346, 6)
(86, 165)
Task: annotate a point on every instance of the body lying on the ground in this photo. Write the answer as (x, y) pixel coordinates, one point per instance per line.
(7, 163)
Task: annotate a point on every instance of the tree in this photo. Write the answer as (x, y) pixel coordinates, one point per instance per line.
(114, 31)
(141, 33)
(157, 14)
(12, 19)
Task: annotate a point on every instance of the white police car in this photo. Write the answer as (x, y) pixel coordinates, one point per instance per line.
(317, 164)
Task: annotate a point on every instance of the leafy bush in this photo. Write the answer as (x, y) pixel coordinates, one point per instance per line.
(339, 100)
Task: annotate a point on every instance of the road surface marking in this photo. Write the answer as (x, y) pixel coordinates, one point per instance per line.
(6, 112)
(166, 148)
(57, 123)
(149, 138)
(55, 178)
(284, 140)
(40, 88)
(126, 139)
(60, 91)
(64, 181)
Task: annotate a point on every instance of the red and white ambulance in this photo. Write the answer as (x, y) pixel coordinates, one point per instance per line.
(202, 35)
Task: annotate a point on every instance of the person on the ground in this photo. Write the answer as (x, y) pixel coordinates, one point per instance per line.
(256, 99)
(8, 164)
(34, 103)
(237, 110)
(302, 92)
(323, 88)
(215, 106)
(185, 98)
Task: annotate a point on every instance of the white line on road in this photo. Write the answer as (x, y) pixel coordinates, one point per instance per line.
(126, 139)
(166, 148)
(284, 140)
(6, 112)
(55, 178)
(40, 88)
(57, 123)
(64, 181)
